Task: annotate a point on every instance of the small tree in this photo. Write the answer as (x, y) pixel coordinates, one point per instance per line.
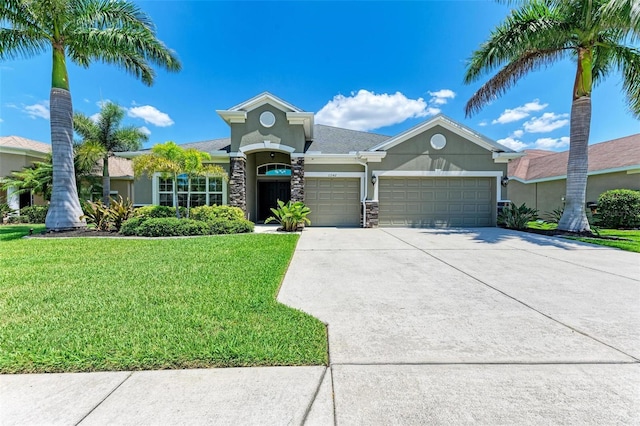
(100, 139)
(171, 161)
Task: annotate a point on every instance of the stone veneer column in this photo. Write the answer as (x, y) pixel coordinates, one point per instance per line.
(238, 183)
(297, 179)
(371, 208)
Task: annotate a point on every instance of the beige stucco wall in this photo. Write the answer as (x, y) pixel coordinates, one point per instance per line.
(124, 188)
(546, 196)
(15, 162)
(252, 132)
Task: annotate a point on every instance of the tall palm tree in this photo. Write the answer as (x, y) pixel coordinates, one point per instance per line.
(112, 31)
(597, 36)
(104, 137)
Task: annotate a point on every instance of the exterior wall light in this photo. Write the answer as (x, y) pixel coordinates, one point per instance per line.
(374, 179)
(504, 181)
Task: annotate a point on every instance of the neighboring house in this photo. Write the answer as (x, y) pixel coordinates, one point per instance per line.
(16, 153)
(439, 173)
(539, 178)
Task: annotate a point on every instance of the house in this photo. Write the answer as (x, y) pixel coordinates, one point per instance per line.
(16, 153)
(437, 174)
(539, 178)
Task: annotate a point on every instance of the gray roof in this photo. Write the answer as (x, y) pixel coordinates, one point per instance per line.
(222, 144)
(334, 140)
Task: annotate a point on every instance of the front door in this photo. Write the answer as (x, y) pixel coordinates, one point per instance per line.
(269, 191)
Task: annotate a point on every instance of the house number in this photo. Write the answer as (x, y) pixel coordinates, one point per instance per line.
(332, 175)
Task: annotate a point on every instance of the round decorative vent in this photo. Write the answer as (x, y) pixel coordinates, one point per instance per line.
(267, 119)
(438, 141)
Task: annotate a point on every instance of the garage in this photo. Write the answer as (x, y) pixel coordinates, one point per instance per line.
(333, 201)
(439, 202)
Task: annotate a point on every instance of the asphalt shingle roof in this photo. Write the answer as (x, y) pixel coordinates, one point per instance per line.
(538, 164)
(334, 140)
(24, 143)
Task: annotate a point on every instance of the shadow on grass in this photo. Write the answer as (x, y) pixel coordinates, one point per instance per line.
(15, 232)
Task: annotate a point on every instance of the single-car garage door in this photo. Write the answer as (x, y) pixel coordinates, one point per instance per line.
(436, 202)
(333, 201)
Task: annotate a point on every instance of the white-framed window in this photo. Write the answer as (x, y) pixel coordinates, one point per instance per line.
(205, 191)
(274, 169)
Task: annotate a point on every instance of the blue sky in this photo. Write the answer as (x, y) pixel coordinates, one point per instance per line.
(368, 65)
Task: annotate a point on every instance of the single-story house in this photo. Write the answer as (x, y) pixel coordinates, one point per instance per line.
(16, 153)
(436, 174)
(539, 178)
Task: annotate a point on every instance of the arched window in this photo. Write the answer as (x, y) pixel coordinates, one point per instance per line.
(274, 169)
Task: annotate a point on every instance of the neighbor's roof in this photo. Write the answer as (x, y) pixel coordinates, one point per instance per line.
(24, 144)
(616, 155)
(118, 168)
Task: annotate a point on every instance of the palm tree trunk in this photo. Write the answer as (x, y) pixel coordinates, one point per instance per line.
(574, 218)
(106, 181)
(64, 210)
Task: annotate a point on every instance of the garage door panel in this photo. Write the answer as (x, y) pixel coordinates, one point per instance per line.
(440, 202)
(333, 201)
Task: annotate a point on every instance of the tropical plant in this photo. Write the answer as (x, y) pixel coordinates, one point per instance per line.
(37, 179)
(515, 217)
(5, 209)
(554, 215)
(173, 162)
(119, 211)
(104, 136)
(115, 32)
(596, 35)
(291, 216)
(96, 213)
(619, 208)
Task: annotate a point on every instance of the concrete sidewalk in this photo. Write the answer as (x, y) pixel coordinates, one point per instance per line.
(481, 326)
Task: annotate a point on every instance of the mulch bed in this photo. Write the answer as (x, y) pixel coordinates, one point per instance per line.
(82, 232)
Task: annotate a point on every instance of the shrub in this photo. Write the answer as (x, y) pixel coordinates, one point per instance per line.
(36, 214)
(208, 213)
(18, 219)
(514, 217)
(224, 226)
(291, 216)
(5, 210)
(119, 211)
(158, 211)
(554, 215)
(619, 208)
(164, 227)
(97, 214)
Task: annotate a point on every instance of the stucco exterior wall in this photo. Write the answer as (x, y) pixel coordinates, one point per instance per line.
(333, 168)
(124, 188)
(252, 132)
(143, 191)
(15, 162)
(546, 196)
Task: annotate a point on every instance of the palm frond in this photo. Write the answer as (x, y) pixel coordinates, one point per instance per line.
(627, 60)
(128, 138)
(623, 14)
(21, 43)
(534, 27)
(85, 127)
(509, 75)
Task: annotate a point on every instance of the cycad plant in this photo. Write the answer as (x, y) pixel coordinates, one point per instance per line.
(291, 216)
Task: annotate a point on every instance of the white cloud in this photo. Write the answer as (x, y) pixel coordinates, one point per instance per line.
(483, 123)
(38, 110)
(367, 110)
(512, 143)
(145, 130)
(151, 115)
(553, 144)
(518, 133)
(95, 117)
(441, 97)
(548, 122)
(1, 120)
(516, 114)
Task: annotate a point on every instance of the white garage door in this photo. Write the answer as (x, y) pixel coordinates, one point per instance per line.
(436, 202)
(333, 201)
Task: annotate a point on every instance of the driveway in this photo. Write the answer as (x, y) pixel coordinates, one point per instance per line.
(482, 326)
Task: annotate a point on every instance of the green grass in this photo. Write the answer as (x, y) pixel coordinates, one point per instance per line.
(14, 232)
(632, 237)
(94, 304)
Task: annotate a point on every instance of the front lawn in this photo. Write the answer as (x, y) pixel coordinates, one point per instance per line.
(630, 241)
(100, 304)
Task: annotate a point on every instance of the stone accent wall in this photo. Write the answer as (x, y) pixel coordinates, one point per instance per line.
(297, 179)
(238, 183)
(371, 208)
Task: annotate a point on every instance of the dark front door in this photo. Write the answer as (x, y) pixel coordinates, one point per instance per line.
(269, 192)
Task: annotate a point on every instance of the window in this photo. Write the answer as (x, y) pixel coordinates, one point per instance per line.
(205, 191)
(274, 170)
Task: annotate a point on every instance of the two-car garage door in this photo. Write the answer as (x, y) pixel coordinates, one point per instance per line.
(436, 202)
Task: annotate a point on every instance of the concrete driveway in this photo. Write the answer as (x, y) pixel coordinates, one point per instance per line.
(482, 326)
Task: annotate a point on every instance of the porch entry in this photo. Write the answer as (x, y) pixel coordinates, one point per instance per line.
(269, 192)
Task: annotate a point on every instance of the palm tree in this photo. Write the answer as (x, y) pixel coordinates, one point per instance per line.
(104, 137)
(112, 31)
(172, 161)
(596, 35)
